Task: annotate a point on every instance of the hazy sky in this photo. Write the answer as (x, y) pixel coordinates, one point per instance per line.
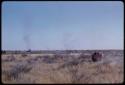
(62, 25)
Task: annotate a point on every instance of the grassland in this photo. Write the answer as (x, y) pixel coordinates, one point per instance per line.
(52, 68)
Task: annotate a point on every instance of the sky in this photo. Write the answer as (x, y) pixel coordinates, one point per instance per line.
(62, 25)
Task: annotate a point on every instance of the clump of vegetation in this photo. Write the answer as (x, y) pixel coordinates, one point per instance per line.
(23, 55)
(96, 56)
(15, 71)
(10, 58)
(84, 58)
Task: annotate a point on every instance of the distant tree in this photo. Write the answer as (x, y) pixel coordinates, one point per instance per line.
(29, 50)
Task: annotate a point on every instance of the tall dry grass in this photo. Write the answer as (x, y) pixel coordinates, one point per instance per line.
(52, 69)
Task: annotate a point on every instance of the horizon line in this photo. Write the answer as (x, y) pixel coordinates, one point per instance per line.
(61, 50)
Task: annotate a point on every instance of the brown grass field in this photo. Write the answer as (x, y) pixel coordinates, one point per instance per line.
(72, 68)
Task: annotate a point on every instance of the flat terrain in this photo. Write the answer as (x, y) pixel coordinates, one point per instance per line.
(76, 67)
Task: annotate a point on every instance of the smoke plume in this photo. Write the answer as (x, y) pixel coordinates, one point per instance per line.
(27, 24)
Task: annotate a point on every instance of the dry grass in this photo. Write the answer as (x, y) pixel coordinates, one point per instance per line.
(38, 69)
